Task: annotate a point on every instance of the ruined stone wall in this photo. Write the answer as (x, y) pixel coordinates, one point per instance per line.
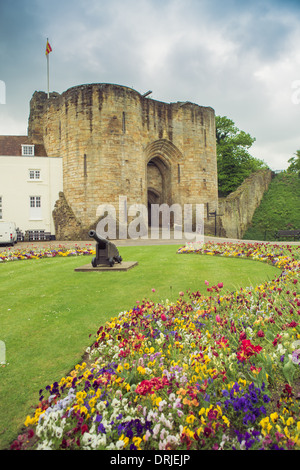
(237, 209)
(107, 134)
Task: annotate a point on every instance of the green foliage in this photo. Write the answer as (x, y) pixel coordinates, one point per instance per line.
(294, 162)
(278, 210)
(234, 161)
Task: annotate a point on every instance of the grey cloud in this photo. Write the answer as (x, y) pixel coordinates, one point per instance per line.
(208, 52)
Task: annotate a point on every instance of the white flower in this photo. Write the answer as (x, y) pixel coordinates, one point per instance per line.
(115, 402)
(156, 430)
(58, 432)
(162, 404)
(120, 445)
(46, 445)
(111, 446)
(101, 406)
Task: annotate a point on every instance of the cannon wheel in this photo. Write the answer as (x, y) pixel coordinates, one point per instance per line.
(119, 259)
(94, 262)
(111, 262)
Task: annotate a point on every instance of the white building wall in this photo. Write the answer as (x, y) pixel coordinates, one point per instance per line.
(16, 188)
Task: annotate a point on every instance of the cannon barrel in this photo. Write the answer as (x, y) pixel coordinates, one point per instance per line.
(98, 238)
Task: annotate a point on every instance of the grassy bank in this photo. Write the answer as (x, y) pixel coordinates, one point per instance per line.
(279, 208)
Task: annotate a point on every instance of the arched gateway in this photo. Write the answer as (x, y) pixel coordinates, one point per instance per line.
(163, 161)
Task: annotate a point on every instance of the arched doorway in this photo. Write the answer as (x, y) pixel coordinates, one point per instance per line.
(158, 184)
(162, 158)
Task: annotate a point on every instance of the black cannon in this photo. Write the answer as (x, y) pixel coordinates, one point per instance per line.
(106, 252)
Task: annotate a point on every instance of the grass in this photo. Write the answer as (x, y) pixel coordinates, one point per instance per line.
(48, 312)
(279, 208)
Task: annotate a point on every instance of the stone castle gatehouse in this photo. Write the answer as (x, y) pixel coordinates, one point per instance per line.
(116, 142)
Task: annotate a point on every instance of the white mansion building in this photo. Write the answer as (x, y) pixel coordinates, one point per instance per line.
(30, 183)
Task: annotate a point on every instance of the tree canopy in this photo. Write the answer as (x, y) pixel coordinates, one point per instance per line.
(234, 160)
(294, 162)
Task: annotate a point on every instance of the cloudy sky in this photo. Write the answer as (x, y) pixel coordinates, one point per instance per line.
(241, 58)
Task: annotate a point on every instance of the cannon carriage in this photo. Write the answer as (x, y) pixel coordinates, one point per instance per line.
(106, 252)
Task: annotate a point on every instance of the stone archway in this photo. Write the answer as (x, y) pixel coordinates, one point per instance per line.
(162, 160)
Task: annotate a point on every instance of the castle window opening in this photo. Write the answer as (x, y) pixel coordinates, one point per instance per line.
(84, 166)
(124, 122)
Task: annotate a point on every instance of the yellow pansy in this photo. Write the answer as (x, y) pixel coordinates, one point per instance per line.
(157, 401)
(274, 417)
(286, 432)
(290, 421)
(226, 421)
(125, 440)
(190, 419)
(137, 441)
(84, 410)
(92, 402)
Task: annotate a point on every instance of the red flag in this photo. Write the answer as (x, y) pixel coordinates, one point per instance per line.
(48, 48)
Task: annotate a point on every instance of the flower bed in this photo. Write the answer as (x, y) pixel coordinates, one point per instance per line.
(44, 252)
(214, 371)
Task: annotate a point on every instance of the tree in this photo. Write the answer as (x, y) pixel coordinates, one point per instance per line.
(234, 161)
(294, 164)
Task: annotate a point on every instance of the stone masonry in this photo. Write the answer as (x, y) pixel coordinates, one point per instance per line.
(116, 142)
(237, 209)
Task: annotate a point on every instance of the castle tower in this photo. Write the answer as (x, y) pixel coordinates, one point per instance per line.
(116, 142)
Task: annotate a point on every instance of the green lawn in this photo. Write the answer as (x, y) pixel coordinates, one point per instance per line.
(48, 311)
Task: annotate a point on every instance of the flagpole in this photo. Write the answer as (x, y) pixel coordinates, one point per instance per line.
(48, 71)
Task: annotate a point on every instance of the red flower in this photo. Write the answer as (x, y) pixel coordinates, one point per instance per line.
(84, 429)
(243, 335)
(148, 386)
(30, 433)
(278, 337)
(260, 334)
(207, 431)
(223, 342)
(257, 369)
(288, 389)
(247, 350)
(124, 353)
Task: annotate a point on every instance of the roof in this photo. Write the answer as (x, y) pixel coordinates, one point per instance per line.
(12, 145)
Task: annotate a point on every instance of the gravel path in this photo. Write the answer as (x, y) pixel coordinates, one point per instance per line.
(39, 245)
